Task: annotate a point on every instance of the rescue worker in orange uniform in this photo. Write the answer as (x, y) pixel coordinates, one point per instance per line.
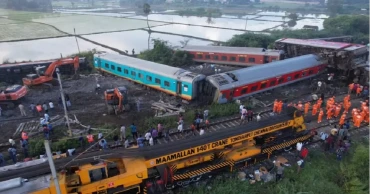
(275, 108)
(329, 113)
(363, 115)
(358, 120)
(347, 98)
(337, 110)
(314, 109)
(354, 118)
(358, 91)
(90, 139)
(347, 106)
(306, 107)
(350, 87)
(280, 106)
(363, 105)
(342, 119)
(319, 103)
(321, 114)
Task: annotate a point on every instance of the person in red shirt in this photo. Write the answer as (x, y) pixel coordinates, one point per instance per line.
(304, 152)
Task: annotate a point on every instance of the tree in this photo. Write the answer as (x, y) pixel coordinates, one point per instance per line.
(293, 16)
(334, 7)
(147, 10)
(164, 54)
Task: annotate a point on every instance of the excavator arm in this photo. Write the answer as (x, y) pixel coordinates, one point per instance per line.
(50, 70)
(120, 99)
(48, 75)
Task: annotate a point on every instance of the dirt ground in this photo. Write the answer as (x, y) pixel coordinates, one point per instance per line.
(88, 106)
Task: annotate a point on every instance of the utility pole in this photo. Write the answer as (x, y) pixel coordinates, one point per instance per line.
(52, 167)
(246, 19)
(74, 29)
(64, 102)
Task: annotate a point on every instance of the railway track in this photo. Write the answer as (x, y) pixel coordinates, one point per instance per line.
(219, 125)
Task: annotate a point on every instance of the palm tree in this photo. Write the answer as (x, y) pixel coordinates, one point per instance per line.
(146, 9)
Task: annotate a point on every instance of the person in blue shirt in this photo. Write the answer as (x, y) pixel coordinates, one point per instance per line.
(140, 141)
(133, 131)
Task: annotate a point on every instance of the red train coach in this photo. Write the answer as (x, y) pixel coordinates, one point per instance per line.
(237, 84)
(241, 56)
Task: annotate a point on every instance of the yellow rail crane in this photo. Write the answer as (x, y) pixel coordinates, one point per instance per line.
(156, 169)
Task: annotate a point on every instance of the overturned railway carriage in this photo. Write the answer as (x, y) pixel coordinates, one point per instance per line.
(244, 82)
(240, 56)
(14, 72)
(171, 80)
(347, 57)
(157, 168)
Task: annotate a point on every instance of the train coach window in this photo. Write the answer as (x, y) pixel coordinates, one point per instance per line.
(192, 56)
(157, 81)
(272, 83)
(254, 88)
(113, 67)
(141, 75)
(215, 57)
(186, 88)
(232, 58)
(133, 73)
(107, 65)
(199, 56)
(241, 59)
(263, 85)
(224, 58)
(296, 76)
(148, 78)
(125, 71)
(166, 83)
(119, 69)
(273, 59)
(244, 91)
(280, 80)
(252, 60)
(310, 72)
(208, 57)
(289, 78)
(304, 73)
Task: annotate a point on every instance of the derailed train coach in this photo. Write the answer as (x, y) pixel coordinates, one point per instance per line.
(218, 88)
(240, 83)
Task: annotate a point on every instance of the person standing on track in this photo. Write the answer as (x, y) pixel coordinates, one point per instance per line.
(243, 115)
(321, 114)
(306, 107)
(350, 88)
(280, 107)
(123, 133)
(250, 115)
(21, 108)
(314, 109)
(275, 107)
(90, 139)
(133, 131)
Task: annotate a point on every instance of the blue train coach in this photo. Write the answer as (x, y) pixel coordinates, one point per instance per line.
(171, 80)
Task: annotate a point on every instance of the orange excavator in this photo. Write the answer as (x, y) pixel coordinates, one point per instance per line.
(42, 78)
(116, 100)
(12, 95)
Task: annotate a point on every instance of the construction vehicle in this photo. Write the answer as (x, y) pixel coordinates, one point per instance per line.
(163, 167)
(116, 100)
(12, 95)
(42, 77)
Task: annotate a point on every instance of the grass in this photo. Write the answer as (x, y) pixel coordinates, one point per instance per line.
(281, 5)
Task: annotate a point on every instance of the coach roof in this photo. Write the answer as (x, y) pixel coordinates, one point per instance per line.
(229, 50)
(148, 66)
(278, 68)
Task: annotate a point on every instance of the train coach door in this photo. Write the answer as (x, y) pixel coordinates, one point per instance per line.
(179, 88)
(266, 59)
